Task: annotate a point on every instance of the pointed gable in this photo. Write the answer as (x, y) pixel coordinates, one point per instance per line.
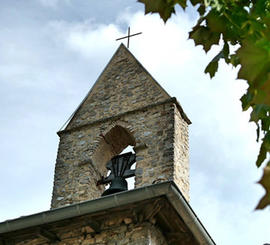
(124, 85)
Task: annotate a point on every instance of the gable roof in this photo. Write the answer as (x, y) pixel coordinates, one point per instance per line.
(124, 84)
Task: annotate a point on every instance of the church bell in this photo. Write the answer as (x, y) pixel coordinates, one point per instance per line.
(120, 170)
(117, 185)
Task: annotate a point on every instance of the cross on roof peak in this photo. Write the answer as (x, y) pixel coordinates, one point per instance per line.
(128, 36)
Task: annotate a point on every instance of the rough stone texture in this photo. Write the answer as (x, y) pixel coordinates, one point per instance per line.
(125, 107)
(152, 221)
(181, 154)
(124, 84)
(113, 233)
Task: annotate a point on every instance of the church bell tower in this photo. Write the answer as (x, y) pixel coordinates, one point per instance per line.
(125, 107)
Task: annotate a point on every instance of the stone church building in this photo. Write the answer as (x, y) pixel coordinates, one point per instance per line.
(126, 107)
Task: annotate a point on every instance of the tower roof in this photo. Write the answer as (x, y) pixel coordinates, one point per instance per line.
(124, 83)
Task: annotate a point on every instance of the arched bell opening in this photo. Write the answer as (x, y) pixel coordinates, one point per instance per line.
(112, 144)
(118, 141)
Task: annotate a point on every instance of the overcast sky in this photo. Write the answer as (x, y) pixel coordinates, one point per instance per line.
(51, 53)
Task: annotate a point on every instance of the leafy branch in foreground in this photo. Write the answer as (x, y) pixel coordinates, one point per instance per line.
(243, 26)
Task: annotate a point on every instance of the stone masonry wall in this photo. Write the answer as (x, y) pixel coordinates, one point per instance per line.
(78, 168)
(181, 154)
(161, 148)
(124, 84)
(118, 232)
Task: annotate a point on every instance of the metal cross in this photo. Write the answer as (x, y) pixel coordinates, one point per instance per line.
(128, 36)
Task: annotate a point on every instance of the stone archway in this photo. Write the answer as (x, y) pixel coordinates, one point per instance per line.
(111, 144)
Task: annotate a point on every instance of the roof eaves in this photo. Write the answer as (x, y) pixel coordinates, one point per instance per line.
(169, 189)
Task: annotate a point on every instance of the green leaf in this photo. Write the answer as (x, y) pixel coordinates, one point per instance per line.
(201, 10)
(259, 96)
(255, 68)
(258, 112)
(234, 60)
(255, 62)
(203, 36)
(194, 2)
(163, 7)
(246, 100)
(258, 132)
(261, 7)
(182, 3)
(215, 4)
(266, 141)
(211, 68)
(262, 155)
(264, 91)
(216, 22)
(265, 183)
(266, 124)
(226, 52)
(265, 147)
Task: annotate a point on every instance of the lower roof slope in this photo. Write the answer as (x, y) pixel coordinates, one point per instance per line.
(175, 217)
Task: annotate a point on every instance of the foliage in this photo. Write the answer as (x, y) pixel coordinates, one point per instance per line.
(242, 26)
(266, 185)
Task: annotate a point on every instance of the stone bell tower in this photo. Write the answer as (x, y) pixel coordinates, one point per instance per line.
(126, 106)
